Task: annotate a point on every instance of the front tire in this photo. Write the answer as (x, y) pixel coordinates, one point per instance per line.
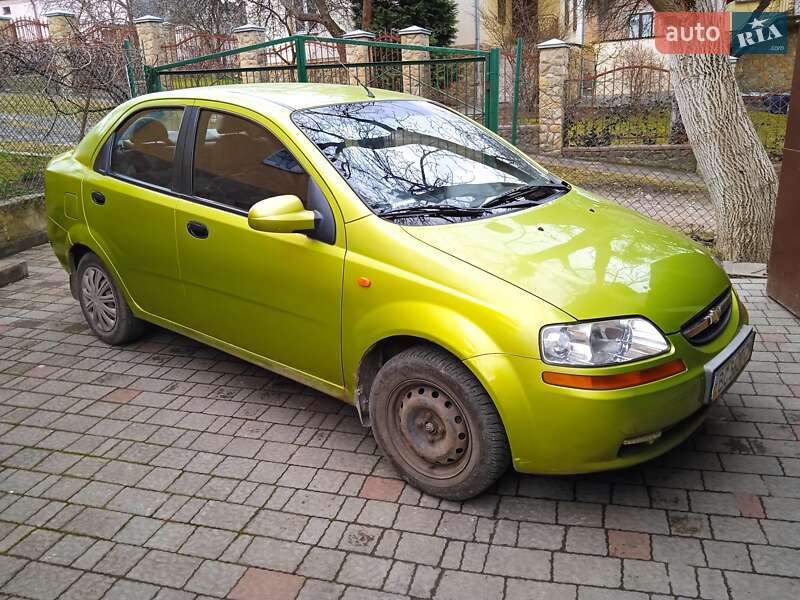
(103, 305)
(437, 424)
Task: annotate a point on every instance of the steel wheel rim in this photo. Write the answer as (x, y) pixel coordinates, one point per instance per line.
(99, 301)
(430, 430)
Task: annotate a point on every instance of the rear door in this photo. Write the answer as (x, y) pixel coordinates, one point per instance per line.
(129, 204)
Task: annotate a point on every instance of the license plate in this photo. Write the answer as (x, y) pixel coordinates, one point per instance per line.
(724, 369)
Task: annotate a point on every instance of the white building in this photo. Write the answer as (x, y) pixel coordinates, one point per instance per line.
(22, 9)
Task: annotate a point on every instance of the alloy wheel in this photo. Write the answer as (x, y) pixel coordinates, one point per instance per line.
(98, 298)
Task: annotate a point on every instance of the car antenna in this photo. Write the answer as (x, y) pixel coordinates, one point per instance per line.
(354, 76)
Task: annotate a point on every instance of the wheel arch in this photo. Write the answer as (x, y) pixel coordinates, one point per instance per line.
(81, 242)
(380, 352)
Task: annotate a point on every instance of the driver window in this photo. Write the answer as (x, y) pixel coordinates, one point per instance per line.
(144, 146)
(238, 163)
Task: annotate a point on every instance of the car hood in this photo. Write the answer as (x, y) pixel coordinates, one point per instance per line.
(590, 258)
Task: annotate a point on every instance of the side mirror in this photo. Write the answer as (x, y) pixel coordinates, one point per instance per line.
(280, 214)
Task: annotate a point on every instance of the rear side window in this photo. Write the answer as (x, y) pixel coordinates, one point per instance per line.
(144, 146)
(238, 163)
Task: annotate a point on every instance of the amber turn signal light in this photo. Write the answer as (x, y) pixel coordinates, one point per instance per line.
(615, 382)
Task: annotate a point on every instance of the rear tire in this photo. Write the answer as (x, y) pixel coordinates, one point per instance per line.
(103, 305)
(437, 424)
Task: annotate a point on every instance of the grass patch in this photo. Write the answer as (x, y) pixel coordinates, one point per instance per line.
(42, 105)
(614, 127)
(20, 174)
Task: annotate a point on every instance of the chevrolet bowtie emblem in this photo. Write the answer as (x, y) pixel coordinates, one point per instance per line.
(714, 315)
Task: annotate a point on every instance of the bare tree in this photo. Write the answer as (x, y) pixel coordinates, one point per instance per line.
(294, 15)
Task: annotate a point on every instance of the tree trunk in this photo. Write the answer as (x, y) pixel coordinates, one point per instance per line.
(677, 131)
(735, 166)
(366, 15)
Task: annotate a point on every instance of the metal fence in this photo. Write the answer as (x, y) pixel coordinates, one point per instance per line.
(50, 96)
(467, 80)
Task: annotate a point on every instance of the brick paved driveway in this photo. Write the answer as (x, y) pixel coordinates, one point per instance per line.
(169, 470)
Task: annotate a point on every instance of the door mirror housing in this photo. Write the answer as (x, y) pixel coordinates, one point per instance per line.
(280, 214)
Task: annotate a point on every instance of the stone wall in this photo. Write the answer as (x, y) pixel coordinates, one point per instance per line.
(768, 72)
(527, 137)
(667, 156)
(23, 224)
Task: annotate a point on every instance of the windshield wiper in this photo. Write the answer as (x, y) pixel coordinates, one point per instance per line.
(433, 210)
(523, 191)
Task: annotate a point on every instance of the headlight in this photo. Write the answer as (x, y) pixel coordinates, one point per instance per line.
(600, 343)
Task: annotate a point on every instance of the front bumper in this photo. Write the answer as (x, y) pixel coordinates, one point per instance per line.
(562, 430)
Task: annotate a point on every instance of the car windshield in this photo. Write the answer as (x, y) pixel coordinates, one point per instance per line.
(417, 159)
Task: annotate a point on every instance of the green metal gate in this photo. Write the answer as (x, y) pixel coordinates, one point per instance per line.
(466, 80)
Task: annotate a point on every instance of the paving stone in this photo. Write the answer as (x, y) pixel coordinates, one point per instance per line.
(207, 543)
(456, 585)
(215, 578)
(727, 555)
(682, 551)
(537, 535)
(274, 554)
(587, 570)
(645, 576)
(321, 563)
(518, 562)
(364, 571)
(418, 548)
(776, 561)
(165, 568)
(41, 581)
(586, 540)
(419, 520)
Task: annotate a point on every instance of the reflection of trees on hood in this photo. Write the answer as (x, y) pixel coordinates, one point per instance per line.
(401, 151)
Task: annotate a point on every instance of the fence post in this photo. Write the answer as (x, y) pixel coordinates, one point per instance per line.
(61, 24)
(8, 32)
(517, 73)
(357, 54)
(491, 97)
(554, 58)
(126, 48)
(247, 35)
(300, 58)
(415, 36)
(149, 30)
(152, 79)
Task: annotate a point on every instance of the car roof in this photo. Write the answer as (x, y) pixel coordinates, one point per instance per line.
(291, 96)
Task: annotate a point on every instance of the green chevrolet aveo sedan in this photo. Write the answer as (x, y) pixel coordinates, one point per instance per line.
(474, 309)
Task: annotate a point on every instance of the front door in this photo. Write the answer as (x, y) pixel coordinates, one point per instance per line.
(275, 295)
(130, 208)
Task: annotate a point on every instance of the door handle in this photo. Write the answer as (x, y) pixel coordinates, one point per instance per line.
(197, 230)
(98, 198)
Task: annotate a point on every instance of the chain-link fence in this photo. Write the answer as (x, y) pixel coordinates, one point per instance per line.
(51, 94)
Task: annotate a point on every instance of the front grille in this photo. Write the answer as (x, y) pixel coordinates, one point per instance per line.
(709, 322)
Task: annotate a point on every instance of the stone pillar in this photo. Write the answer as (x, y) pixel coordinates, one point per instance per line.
(169, 41)
(357, 54)
(61, 24)
(8, 33)
(554, 62)
(247, 35)
(150, 31)
(416, 78)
